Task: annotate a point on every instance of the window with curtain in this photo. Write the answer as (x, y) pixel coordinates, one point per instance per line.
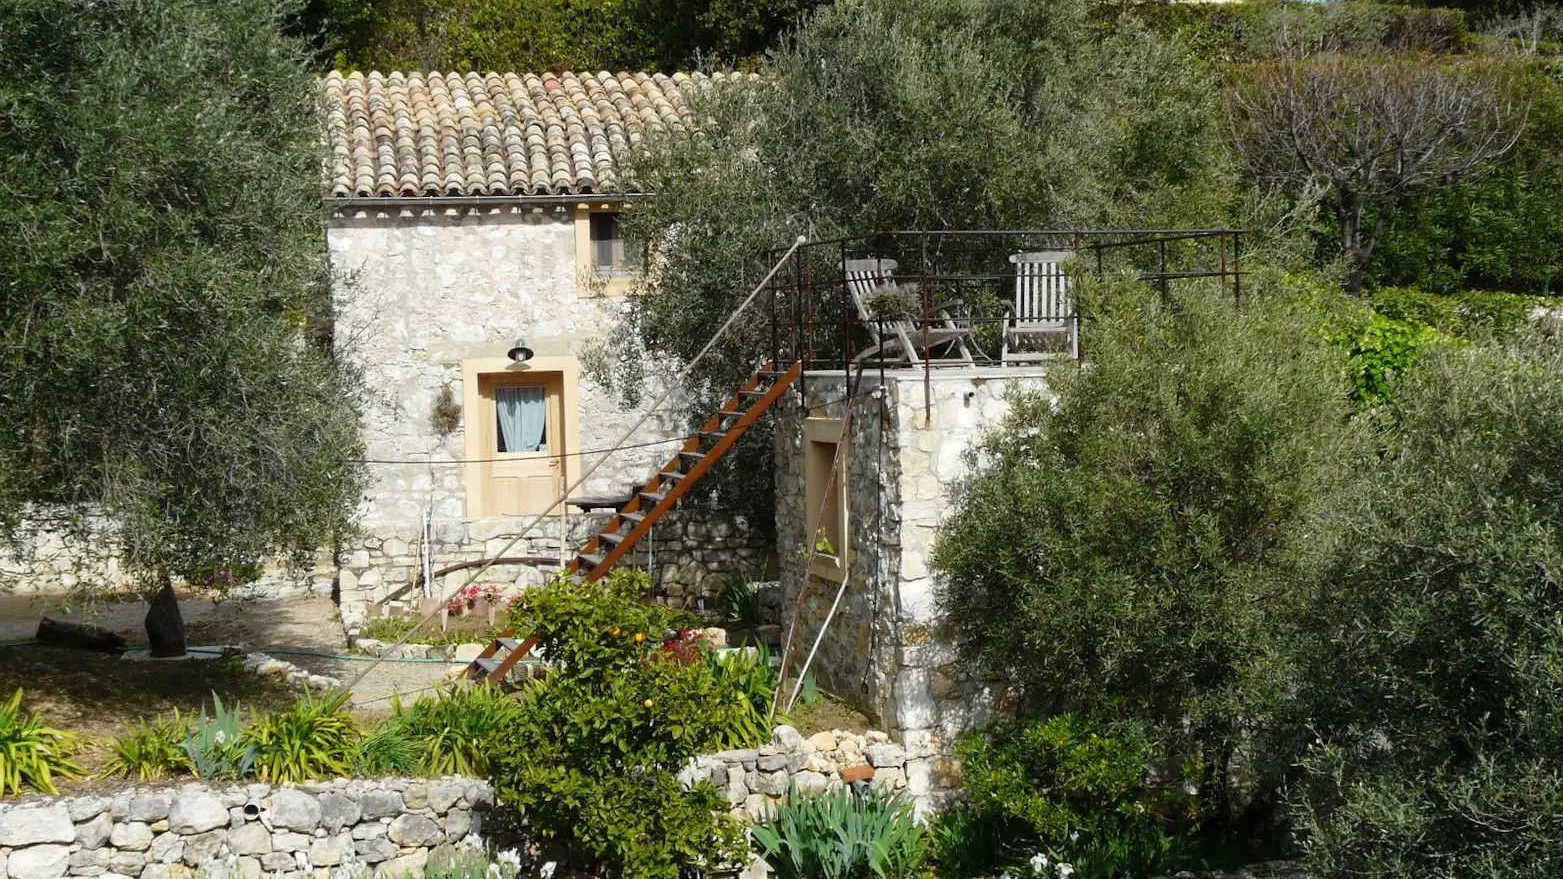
(523, 418)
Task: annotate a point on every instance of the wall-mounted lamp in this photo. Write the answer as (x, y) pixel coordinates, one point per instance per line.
(520, 353)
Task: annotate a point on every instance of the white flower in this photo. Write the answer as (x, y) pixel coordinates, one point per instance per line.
(1065, 871)
(221, 737)
(1039, 862)
(509, 856)
(1074, 836)
(547, 870)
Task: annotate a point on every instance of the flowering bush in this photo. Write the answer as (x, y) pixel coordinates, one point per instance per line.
(469, 596)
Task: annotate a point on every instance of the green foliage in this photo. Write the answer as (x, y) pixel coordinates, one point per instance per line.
(456, 730)
(544, 35)
(215, 746)
(591, 758)
(840, 834)
(749, 678)
(1079, 791)
(386, 751)
(162, 354)
(908, 114)
(1172, 497)
(1497, 232)
(1264, 29)
(1381, 349)
(1431, 667)
(741, 596)
(313, 738)
(31, 753)
(151, 750)
(391, 630)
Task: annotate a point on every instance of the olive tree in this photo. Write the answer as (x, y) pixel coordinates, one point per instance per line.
(163, 361)
(909, 114)
(1132, 547)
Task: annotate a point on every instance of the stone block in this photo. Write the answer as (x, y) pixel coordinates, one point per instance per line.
(295, 810)
(32, 825)
(133, 836)
(757, 808)
(889, 779)
(49, 861)
(408, 865)
(380, 804)
(458, 823)
(202, 847)
(369, 831)
(86, 808)
(331, 851)
(444, 794)
(289, 841)
(412, 829)
(89, 862)
(809, 782)
(772, 784)
(128, 863)
(248, 868)
(823, 741)
(277, 861)
(772, 762)
(197, 811)
(93, 833)
(251, 839)
(337, 811)
(416, 796)
(919, 776)
(167, 847)
(786, 737)
(886, 755)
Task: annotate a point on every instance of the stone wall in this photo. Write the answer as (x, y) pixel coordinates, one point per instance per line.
(416, 294)
(755, 780)
(887, 650)
(390, 826)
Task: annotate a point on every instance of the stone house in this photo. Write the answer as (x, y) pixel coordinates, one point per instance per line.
(465, 212)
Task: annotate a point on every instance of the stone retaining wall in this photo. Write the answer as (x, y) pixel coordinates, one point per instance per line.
(755, 780)
(390, 826)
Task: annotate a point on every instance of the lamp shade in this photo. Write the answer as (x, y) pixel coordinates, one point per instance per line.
(520, 353)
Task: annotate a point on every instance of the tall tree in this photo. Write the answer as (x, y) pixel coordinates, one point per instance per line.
(907, 114)
(162, 276)
(1372, 132)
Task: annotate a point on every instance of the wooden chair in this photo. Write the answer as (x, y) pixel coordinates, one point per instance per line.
(1042, 312)
(903, 336)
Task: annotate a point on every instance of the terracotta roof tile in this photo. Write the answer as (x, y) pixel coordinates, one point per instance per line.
(401, 134)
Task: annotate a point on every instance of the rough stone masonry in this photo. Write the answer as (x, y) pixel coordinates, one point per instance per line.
(389, 826)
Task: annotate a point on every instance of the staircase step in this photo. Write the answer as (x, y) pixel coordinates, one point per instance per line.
(489, 666)
(611, 537)
(508, 643)
(714, 436)
(672, 477)
(589, 561)
(653, 496)
(633, 518)
(693, 456)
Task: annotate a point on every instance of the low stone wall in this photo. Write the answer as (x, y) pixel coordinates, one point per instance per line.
(755, 780)
(246, 831)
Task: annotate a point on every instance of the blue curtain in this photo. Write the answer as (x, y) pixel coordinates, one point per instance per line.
(523, 419)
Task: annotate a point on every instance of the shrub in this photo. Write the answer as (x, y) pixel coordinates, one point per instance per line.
(590, 760)
(1079, 792)
(1171, 498)
(215, 746)
(841, 834)
(747, 676)
(386, 751)
(31, 753)
(1431, 655)
(312, 738)
(151, 750)
(455, 730)
(1380, 350)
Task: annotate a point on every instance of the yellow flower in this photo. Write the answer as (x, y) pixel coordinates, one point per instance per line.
(640, 637)
(614, 631)
(648, 703)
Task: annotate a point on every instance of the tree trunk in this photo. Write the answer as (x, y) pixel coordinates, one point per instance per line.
(165, 626)
(1351, 241)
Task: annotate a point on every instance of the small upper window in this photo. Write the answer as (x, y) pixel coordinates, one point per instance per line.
(609, 254)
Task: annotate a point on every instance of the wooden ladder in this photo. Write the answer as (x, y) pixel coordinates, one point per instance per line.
(635, 519)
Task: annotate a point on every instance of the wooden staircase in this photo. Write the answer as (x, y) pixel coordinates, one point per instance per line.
(654, 499)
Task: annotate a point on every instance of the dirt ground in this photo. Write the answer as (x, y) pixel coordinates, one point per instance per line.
(290, 629)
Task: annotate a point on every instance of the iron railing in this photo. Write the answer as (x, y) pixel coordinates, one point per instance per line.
(961, 286)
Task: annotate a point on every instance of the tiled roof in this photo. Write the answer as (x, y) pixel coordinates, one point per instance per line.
(412, 134)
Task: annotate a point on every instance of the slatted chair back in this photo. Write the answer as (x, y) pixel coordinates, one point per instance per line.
(1042, 290)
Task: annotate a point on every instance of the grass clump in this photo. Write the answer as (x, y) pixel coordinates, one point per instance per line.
(310, 739)
(151, 750)
(31, 753)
